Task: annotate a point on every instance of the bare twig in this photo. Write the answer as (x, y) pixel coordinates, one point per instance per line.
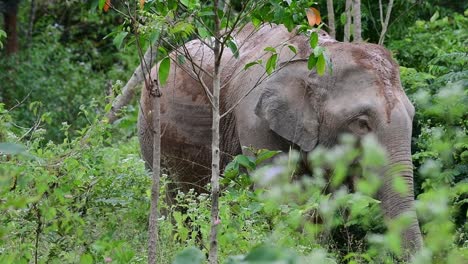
(387, 19)
(259, 81)
(130, 87)
(19, 102)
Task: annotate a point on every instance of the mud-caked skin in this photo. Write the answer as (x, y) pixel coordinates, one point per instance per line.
(293, 107)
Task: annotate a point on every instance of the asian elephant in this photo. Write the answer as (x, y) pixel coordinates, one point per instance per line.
(294, 107)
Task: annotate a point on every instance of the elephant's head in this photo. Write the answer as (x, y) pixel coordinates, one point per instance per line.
(362, 95)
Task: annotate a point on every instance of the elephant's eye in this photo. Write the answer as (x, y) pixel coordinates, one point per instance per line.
(360, 125)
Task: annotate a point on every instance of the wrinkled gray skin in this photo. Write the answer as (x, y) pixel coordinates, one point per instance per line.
(294, 107)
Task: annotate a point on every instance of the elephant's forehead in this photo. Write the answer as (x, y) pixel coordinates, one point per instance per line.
(374, 66)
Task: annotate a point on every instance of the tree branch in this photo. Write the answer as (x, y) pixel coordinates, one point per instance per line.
(130, 87)
(385, 24)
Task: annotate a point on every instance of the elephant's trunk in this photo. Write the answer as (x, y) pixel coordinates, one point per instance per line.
(395, 203)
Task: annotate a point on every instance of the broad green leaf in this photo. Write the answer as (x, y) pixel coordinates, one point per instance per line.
(263, 254)
(318, 51)
(321, 65)
(311, 62)
(203, 32)
(292, 48)
(183, 28)
(271, 63)
(86, 259)
(313, 39)
(266, 154)
(180, 59)
(191, 255)
(233, 47)
(256, 22)
(270, 49)
(118, 40)
(11, 148)
(190, 4)
(206, 13)
(245, 162)
(343, 18)
(250, 64)
(435, 16)
(163, 71)
(101, 4)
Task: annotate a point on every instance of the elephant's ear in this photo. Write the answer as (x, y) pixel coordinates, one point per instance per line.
(286, 105)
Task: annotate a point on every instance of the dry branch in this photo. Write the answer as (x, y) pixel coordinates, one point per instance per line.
(130, 87)
(387, 20)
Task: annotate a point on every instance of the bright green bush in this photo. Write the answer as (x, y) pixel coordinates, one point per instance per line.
(85, 199)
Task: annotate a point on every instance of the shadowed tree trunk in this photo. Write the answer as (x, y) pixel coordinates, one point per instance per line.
(331, 18)
(10, 16)
(32, 17)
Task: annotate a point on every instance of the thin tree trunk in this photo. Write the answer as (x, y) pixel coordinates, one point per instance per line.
(347, 27)
(215, 152)
(32, 15)
(357, 21)
(130, 87)
(331, 18)
(10, 17)
(387, 20)
(156, 130)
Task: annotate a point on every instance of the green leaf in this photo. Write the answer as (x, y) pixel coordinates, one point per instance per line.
(11, 148)
(86, 259)
(191, 255)
(321, 65)
(265, 154)
(245, 162)
(101, 4)
(233, 47)
(343, 18)
(203, 32)
(263, 254)
(180, 59)
(190, 4)
(435, 16)
(311, 62)
(250, 64)
(292, 48)
(271, 63)
(318, 51)
(270, 49)
(118, 40)
(313, 40)
(163, 72)
(256, 22)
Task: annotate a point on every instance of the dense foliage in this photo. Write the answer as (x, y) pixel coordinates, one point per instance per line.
(73, 188)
